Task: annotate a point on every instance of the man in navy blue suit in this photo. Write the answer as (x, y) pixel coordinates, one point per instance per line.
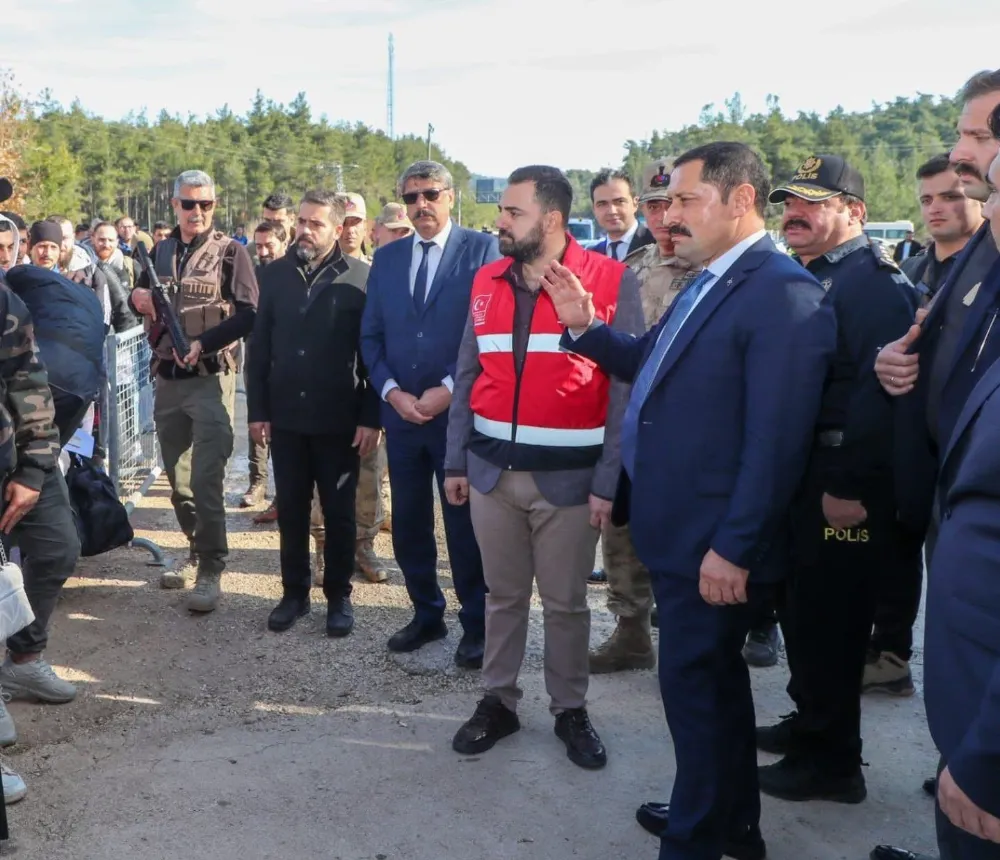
(418, 301)
(725, 394)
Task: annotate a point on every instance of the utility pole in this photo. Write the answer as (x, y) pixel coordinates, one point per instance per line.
(430, 131)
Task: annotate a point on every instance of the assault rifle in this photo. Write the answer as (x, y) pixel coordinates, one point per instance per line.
(165, 313)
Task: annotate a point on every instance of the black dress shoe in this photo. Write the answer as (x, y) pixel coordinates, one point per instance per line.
(930, 787)
(490, 723)
(415, 635)
(339, 617)
(778, 739)
(469, 654)
(888, 852)
(748, 846)
(797, 778)
(287, 612)
(761, 647)
(597, 577)
(583, 745)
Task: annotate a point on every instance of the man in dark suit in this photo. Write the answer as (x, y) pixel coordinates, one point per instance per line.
(741, 354)
(418, 302)
(615, 205)
(909, 247)
(308, 394)
(962, 644)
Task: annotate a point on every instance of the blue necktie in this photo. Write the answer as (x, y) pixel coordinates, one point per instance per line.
(647, 373)
(420, 282)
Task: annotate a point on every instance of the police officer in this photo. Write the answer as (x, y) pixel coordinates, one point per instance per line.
(661, 276)
(841, 526)
(214, 294)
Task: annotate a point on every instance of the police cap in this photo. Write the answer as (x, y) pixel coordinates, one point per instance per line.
(821, 177)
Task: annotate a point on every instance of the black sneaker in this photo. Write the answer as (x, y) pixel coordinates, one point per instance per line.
(491, 722)
(583, 745)
(761, 648)
(287, 612)
(339, 617)
(778, 739)
(797, 778)
(890, 852)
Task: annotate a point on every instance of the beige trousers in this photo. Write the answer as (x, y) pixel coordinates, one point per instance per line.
(523, 539)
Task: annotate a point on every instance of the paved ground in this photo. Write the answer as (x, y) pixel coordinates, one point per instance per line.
(212, 738)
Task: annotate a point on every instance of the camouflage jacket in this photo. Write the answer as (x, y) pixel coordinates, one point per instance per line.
(660, 280)
(29, 440)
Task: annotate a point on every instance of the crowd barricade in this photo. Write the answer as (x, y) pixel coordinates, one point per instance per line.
(127, 432)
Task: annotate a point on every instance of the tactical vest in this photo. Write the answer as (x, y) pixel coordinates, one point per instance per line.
(196, 293)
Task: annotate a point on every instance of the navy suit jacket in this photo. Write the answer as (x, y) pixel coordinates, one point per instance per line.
(419, 350)
(917, 456)
(962, 627)
(640, 239)
(725, 432)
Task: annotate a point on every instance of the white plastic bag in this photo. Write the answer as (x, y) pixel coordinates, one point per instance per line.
(15, 610)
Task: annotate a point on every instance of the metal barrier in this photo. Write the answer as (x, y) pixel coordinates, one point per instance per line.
(126, 424)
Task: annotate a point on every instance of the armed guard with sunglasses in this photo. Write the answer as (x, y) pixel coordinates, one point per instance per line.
(842, 525)
(213, 290)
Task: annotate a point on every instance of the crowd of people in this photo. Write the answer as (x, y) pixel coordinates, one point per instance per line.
(761, 441)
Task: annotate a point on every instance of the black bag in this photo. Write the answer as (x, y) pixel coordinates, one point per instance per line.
(101, 519)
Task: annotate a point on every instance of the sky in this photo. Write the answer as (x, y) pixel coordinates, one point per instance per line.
(504, 82)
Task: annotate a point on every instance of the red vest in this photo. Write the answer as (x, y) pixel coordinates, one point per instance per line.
(561, 399)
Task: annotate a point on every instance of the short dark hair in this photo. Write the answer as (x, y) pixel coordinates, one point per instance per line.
(121, 218)
(323, 197)
(100, 224)
(727, 165)
(994, 122)
(7, 226)
(552, 188)
(278, 200)
(17, 219)
(608, 175)
(161, 225)
(274, 228)
(935, 167)
(980, 84)
(82, 228)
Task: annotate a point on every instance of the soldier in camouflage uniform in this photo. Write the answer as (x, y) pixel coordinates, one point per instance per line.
(630, 594)
(372, 504)
(36, 513)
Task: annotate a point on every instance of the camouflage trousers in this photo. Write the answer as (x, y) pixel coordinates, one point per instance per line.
(630, 592)
(373, 503)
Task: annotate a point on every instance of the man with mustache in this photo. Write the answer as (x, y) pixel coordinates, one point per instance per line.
(842, 526)
(533, 447)
(418, 301)
(661, 276)
(214, 294)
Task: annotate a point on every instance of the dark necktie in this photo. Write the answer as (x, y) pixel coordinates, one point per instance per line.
(420, 282)
(614, 249)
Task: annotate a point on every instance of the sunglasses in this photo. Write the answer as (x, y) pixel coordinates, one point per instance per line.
(206, 205)
(430, 195)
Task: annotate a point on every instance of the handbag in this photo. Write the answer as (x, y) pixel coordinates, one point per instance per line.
(15, 610)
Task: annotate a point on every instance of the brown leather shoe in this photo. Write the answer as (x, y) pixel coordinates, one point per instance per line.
(367, 563)
(268, 516)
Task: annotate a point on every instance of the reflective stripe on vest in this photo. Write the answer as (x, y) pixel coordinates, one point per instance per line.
(547, 436)
(505, 343)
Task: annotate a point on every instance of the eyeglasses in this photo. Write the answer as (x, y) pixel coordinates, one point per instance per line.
(430, 195)
(206, 205)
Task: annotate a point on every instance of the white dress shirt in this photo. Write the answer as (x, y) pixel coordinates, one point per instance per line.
(434, 255)
(626, 240)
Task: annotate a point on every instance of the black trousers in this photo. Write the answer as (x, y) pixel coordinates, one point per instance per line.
(826, 612)
(329, 463)
(899, 595)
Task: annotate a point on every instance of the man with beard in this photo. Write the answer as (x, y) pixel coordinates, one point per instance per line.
(75, 263)
(214, 294)
(309, 395)
(270, 240)
(22, 234)
(418, 301)
(842, 530)
(104, 239)
(661, 276)
(533, 447)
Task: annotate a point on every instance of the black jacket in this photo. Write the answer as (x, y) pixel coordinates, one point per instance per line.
(306, 374)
